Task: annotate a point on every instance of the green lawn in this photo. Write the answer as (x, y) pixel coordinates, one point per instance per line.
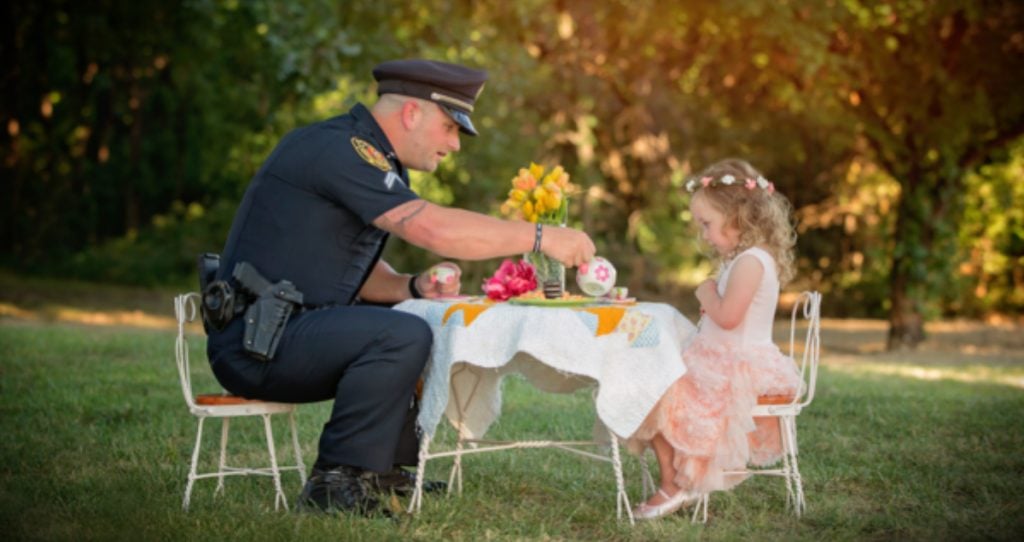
(96, 441)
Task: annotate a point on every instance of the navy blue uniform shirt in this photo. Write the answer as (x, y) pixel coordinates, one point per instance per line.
(307, 214)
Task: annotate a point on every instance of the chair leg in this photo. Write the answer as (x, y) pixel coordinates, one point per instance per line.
(192, 468)
(787, 465)
(646, 481)
(224, 429)
(298, 449)
(279, 498)
(794, 483)
(701, 509)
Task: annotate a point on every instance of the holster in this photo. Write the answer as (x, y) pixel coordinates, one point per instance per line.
(264, 324)
(267, 315)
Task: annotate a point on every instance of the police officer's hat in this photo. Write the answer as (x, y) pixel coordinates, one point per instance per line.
(451, 86)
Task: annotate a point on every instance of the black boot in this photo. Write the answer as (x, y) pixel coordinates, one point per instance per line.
(401, 482)
(339, 489)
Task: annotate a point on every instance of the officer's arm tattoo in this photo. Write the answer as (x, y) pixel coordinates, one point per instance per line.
(416, 211)
(400, 224)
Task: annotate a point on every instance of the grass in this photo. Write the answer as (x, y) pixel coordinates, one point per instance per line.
(97, 441)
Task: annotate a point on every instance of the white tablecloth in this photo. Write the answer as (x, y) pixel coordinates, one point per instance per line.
(632, 352)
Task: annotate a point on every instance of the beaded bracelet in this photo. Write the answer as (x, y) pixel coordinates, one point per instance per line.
(536, 239)
(413, 291)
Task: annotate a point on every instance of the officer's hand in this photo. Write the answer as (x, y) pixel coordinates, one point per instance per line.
(569, 246)
(441, 280)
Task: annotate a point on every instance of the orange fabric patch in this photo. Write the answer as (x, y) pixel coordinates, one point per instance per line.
(469, 312)
(608, 318)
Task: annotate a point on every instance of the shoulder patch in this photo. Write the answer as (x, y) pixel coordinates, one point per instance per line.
(370, 154)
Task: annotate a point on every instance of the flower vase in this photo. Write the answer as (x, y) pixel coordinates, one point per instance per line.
(550, 274)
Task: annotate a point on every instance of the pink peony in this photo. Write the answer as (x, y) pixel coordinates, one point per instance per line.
(511, 279)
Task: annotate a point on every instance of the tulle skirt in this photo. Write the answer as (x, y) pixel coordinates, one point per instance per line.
(706, 415)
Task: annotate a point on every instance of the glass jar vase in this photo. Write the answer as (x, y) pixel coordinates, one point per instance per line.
(550, 274)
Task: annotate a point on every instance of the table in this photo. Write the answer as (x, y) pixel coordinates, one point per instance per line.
(631, 353)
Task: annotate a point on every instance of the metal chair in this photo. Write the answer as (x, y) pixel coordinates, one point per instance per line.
(808, 309)
(225, 407)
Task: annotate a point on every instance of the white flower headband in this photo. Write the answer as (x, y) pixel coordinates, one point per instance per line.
(727, 180)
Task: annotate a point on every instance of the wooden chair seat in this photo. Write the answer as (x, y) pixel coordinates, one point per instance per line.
(223, 399)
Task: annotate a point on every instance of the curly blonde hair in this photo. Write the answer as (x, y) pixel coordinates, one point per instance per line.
(751, 204)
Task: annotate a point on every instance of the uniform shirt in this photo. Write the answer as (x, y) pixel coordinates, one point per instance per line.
(307, 214)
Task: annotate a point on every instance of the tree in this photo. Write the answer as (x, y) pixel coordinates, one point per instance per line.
(934, 90)
(118, 117)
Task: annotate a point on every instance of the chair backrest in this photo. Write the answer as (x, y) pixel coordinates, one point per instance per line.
(185, 311)
(807, 308)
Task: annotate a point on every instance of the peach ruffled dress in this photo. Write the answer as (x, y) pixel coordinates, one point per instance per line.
(705, 415)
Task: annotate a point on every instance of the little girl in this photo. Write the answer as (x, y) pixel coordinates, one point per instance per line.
(702, 426)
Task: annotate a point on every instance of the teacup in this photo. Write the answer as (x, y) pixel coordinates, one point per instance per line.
(596, 277)
(442, 274)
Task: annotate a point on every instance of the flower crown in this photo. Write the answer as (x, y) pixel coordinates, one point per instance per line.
(728, 180)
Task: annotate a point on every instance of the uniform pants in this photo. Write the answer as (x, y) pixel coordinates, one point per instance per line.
(366, 359)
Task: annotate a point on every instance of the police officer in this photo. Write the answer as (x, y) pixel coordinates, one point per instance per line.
(317, 214)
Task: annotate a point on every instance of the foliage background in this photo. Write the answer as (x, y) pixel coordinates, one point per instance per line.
(132, 127)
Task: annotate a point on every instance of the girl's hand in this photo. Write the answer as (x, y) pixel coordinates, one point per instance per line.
(706, 292)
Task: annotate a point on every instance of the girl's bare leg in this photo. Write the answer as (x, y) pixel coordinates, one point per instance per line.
(667, 472)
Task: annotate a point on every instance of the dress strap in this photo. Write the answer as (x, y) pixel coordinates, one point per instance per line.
(762, 256)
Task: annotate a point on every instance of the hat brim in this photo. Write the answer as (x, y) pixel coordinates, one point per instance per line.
(460, 118)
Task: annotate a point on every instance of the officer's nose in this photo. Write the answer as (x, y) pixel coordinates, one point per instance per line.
(455, 142)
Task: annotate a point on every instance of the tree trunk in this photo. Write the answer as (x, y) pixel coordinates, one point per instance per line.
(906, 323)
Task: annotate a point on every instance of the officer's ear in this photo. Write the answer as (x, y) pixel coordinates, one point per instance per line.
(412, 114)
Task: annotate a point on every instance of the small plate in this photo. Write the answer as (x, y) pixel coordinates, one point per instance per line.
(542, 302)
(456, 298)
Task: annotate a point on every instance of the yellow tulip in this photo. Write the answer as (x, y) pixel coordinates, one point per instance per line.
(518, 194)
(563, 181)
(524, 181)
(553, 175)
(553, 201)
(559, 178)
(536, 170)
(527, 209)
